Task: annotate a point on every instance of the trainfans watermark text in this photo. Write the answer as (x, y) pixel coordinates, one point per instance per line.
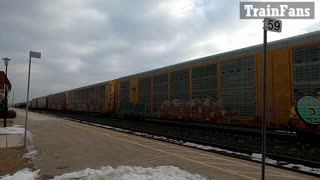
(280, 10)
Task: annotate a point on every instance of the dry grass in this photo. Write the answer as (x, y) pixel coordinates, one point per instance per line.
(12, 160)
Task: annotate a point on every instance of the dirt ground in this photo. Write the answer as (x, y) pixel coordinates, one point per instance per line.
(12, 160)
(9, 122)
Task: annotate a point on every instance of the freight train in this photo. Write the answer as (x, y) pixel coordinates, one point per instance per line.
(224, 89)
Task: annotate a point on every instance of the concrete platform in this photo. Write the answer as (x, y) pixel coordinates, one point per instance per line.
(3, 141)
(66, 146)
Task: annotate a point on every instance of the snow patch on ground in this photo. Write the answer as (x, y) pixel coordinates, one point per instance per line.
(25, 174)
(303, 168)
(258, 157)
(31, 154)
(11, 130)
(16, 129)
(132, 173)
(119, 173)
(213, 148)
(300, 167)
(288, 132)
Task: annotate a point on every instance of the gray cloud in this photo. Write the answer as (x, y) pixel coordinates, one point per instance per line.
(88, 41)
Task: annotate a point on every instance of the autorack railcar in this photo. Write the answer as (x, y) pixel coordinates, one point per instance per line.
(228, 88)
(96, 98)
(225, 88)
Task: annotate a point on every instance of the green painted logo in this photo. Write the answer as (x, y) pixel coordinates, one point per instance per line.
(308, 109)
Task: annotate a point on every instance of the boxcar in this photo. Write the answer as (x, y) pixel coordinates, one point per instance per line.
(227, 88)
(57, 101)
(42, 102)
(96, 98)
(20, 105)
(34, 103)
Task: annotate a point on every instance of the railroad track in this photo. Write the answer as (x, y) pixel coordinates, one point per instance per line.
(180, 136)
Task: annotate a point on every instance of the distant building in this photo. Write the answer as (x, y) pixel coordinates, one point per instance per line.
(3, 79)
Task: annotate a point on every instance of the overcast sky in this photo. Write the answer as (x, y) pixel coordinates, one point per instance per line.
(89, 41)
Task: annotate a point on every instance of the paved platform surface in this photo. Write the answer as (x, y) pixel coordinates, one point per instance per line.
(67, 146)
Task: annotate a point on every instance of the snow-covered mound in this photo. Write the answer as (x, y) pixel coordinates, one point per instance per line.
(24, 174)
(119, 173)
(132, 173)
(11, 130)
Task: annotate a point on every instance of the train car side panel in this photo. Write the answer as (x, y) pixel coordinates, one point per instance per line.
(134, 91)
(238, 91)
(178, 105)
(129, 97)
(57, 101)
(117, 98)
(144, 96)
(259, 89)
(160, 95)
(109, 102)
(270, 114)
(34, 103)
(42, 102)
(306, 65)
(281, 87)
(88, 99)
(204, 93)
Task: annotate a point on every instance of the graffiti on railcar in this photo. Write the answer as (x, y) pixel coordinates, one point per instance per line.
(85, 107)
(199, 109)
(134, 109)
(306, 109)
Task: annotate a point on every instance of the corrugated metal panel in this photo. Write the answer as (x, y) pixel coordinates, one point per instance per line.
(204, 82)
(238, 87)
(91, 99)
(34, 103)
(145, 93)
(124, 92)
(42, 102)
(56, 101)
(292, 41)
(160, 91)
(306, 67)
(180, 85)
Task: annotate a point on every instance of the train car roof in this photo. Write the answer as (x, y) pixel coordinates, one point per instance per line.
(42, 97)
(84, 87)
(283, 43)
(89, 86)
